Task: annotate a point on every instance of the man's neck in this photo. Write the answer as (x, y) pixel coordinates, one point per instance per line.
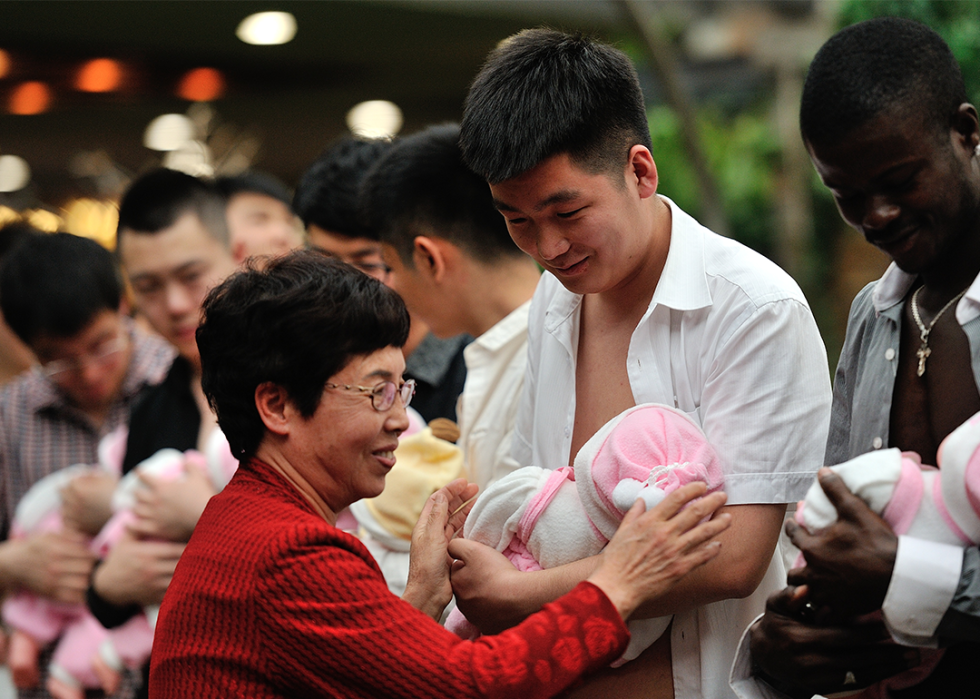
(957, 267)
(631, 297)
(496, 291)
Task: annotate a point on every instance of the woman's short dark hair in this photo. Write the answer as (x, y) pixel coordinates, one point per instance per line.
(295, 323)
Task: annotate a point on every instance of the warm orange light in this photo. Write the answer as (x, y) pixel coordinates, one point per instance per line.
(202, 85)
(30, 98)
(99, 75)
(4, 63)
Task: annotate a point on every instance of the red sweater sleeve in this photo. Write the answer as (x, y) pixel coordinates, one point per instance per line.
(331, 622)
(269, 601)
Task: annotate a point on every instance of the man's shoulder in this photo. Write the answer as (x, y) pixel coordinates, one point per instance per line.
(23, 394)
(729, 262)
(728, 265)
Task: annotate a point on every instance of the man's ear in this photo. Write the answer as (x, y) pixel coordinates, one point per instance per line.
(429, 258)
(966, 126)
(275, 410)
(642, 171)
(238, 251)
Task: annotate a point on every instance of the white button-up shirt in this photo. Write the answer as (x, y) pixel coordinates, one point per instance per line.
(729, 339)
(487, 408)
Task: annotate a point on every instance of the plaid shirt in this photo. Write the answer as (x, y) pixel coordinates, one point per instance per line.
(40, 433)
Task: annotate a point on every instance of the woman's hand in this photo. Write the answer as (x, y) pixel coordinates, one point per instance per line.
(652, 550)
(428, 588)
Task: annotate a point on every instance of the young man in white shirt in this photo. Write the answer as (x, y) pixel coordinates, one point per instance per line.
(639, 304)
(454, 264)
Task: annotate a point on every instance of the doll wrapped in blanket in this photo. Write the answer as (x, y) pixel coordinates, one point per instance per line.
(543, 519)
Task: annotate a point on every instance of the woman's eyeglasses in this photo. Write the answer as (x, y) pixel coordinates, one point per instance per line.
(383, 395)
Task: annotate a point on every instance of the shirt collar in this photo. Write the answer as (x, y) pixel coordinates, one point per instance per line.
(895, 283)
(505, 329)
(683, 283)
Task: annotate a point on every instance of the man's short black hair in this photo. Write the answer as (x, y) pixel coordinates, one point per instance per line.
(155, 201)
(295, 323)
(253, 182)
(328, 193)
(422, 187)
(542, 93)
(876, 66)
(56, 284)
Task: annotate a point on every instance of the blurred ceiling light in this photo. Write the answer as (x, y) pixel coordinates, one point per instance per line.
(4, 63)
(91, 218)
(375, 119)
(201, 85)
(168, 132)
(30, 98)
(193, 157)
(8, 215)
(267, 28)
(15, 173)
(99, 75)
(43, 220)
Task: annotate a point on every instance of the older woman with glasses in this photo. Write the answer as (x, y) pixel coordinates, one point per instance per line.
(302, 365)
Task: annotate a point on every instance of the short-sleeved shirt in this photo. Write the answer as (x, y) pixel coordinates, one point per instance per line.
(729, 339)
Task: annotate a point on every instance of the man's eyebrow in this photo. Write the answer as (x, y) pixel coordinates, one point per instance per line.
(177, 271)
(559, 197)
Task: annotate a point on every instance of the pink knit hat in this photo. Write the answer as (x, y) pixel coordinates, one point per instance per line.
(647, 445)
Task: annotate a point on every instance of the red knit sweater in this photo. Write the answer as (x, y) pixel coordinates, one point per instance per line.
(269, 600)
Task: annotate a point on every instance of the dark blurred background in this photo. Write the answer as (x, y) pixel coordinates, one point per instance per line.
(81, 83)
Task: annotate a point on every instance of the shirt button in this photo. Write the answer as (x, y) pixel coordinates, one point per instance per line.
(876, 442)
(568, 431)
(890, 354)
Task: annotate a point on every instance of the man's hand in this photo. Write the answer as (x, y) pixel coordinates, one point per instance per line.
(86, 502)
(803, 659)
(169, 509)
(482, 579)
(849, 564)
(136, 571)
(52, 565)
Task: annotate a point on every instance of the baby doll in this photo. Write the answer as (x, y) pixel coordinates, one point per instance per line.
(543, 519)
(423, 464)
(936, 504)
(75, 664)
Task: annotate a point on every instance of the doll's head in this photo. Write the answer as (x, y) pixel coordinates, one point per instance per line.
(959, 466)
(647, 451)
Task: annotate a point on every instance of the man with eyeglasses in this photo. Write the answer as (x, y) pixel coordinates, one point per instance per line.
(61, 295)
(329, 201)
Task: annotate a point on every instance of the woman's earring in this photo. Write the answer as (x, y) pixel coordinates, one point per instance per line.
(976, 150)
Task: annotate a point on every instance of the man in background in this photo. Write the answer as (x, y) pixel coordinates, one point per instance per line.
(260, 222)
(61, 295)
(328, 200)
(174, 247)
(458, 270)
